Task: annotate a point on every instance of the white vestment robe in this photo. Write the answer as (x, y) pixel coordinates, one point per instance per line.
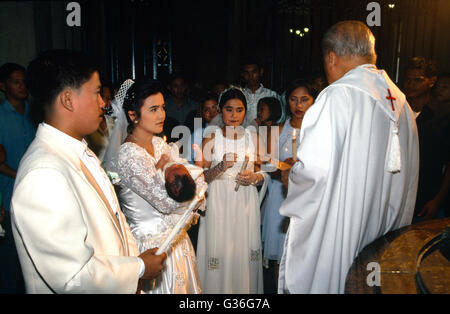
(343, 192)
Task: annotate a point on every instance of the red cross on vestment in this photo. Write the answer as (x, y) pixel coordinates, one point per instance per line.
(391, 99)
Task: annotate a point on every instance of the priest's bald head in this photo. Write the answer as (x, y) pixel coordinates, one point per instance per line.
(345, 46)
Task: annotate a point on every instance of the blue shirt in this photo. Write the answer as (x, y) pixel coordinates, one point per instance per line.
(180, 113)
(16, 134)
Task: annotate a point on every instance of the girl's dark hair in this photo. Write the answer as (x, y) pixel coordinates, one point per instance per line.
(308, 84)
(232, 93)
(274, 107)
(51, 72)
(136, 96)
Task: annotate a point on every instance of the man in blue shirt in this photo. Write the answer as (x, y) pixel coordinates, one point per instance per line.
(16, 133)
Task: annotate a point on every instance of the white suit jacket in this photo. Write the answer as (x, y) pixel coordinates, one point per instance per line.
(68, 238)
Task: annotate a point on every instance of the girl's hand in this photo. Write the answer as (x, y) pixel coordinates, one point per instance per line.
(248, 177)
(228, 160)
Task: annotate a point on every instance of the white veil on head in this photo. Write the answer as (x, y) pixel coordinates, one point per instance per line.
(119, 132)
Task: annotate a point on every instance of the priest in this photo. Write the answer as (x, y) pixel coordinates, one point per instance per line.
(357, 170)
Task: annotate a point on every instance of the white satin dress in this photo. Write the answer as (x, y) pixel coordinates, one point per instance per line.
(151, 215)
(229, 239)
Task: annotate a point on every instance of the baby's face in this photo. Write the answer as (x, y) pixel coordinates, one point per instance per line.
(174, 170)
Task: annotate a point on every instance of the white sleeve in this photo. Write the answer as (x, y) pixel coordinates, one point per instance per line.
(137, 172)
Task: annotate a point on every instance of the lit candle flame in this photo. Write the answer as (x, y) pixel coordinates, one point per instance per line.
(294, 134)
(165, 139)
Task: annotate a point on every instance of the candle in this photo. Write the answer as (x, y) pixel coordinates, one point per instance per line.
(244, 165)
(294, 145)
(188, 214)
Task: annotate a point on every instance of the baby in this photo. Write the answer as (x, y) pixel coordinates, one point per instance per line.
(179, 176)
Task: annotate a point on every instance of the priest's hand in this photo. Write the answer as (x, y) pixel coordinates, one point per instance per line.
(285, 173)
(290, 161)
(154, 264)
(430, 210)
(285, 178)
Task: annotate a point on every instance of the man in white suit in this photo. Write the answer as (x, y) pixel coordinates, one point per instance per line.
(70, 234)
(357, 170)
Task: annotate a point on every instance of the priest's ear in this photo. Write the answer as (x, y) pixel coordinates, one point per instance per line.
(331, 58)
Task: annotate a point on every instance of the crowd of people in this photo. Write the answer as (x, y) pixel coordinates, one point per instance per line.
(289, 187)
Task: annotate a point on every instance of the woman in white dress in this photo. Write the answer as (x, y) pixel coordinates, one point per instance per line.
(229, 241)
(150, 212)
(300, 95)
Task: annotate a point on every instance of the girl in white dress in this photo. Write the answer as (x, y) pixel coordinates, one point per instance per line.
(229, 241)
(150, 212)
(300, 95)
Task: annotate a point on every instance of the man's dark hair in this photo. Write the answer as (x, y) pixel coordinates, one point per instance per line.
(177, 75)
(182, 188)
(53, 71)
(251, 60)
(421, 63)
(7, 69)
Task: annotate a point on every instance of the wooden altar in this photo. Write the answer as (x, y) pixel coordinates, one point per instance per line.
(397, 256)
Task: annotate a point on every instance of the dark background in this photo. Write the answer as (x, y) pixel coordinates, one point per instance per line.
(207, 39)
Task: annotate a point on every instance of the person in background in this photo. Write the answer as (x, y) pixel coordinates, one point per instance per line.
(434, 172)
(98, 141)
(252, 73)
(17, 131)
(300, 97)
(178, 104)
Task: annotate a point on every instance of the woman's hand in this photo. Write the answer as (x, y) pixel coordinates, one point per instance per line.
(162, 161)
(248, 177)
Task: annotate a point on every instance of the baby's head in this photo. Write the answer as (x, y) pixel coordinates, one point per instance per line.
(179, 184)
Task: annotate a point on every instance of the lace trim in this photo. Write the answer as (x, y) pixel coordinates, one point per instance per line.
(213, 263)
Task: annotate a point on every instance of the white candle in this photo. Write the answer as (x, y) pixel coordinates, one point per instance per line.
(294, 145)
(244, 166)
(180, 224)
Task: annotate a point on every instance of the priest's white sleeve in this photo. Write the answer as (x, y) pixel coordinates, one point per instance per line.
(322, 134)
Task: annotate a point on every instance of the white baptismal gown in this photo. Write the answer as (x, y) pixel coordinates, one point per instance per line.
(151, 215)
(229, 240)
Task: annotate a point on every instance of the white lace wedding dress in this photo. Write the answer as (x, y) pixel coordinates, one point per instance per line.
(151, 214)
(229, 240)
